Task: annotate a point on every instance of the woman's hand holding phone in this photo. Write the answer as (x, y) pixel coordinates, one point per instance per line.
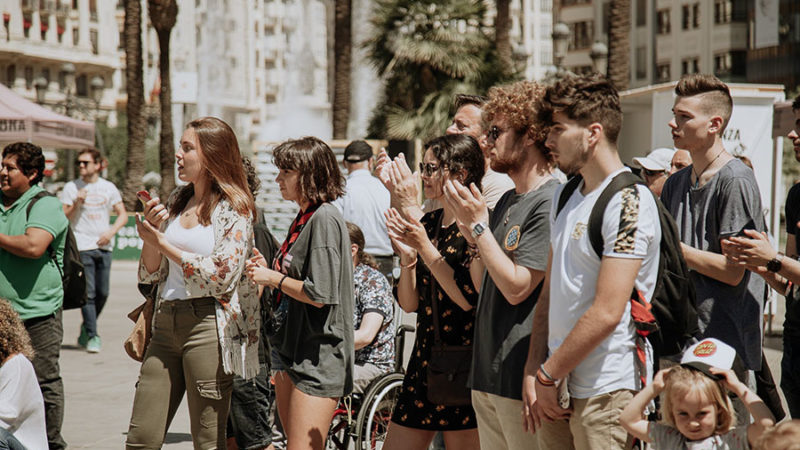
(154, 211)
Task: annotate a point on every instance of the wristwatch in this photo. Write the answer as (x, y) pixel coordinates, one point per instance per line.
(478, 229)
(774, 265)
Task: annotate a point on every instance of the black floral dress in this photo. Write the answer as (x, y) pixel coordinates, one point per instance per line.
(413, 408)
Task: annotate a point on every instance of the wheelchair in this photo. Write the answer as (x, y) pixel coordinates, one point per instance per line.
(363, 419)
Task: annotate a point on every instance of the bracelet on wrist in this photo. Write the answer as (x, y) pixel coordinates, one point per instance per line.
(546, 374)
(410, 265)
(541, 379)
(280, 283)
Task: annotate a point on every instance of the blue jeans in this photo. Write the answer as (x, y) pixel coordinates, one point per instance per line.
(97, 265)
(8, 441)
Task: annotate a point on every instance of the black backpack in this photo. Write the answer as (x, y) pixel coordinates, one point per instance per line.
(73, 277)
(267, 245)
(673, 302)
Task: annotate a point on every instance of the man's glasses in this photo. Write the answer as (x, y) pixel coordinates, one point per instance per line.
(428, 169)
(494, 133)
(652, 173)
(82, 163)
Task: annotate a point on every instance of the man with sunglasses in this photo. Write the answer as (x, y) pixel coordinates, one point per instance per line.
(655, 168)
(88, 202)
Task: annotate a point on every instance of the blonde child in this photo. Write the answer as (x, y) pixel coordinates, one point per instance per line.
(696, 410)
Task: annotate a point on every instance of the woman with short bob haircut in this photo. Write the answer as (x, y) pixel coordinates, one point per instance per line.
(207, 316)
(312, 279)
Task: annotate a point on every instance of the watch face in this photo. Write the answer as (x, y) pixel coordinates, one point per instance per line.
(774, 265)
(478, 229)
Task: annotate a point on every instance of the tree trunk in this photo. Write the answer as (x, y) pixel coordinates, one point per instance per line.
(166, 145)
(342, 51)
(137, 125)
(619, 27)
(502, 27)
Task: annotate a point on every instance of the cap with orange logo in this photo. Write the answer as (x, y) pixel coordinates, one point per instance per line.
(709, 352)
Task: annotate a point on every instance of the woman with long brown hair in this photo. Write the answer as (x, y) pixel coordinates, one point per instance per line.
(207, 316)
(312, 281)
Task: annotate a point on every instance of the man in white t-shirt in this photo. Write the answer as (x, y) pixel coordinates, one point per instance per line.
(88, 202)
(583, 333)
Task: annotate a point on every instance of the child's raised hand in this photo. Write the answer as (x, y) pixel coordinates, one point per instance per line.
(729, 380)
(658, 380)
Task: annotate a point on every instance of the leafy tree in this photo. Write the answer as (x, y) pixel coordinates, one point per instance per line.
(426, 52)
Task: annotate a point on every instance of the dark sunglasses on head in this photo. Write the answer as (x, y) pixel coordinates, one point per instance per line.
(428, 169)
(652, 173)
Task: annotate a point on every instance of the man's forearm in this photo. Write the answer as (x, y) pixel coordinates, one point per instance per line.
(515, 282)
(120, 222)
(712, 265)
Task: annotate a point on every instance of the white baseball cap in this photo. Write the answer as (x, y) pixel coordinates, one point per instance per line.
(709, 352)
(658, 159)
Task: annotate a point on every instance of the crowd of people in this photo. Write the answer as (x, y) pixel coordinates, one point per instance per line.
(525, 329)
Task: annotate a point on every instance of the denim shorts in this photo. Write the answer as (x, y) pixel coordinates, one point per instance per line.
(275, 362)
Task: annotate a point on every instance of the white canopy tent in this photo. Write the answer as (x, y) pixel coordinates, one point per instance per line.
(24, 120)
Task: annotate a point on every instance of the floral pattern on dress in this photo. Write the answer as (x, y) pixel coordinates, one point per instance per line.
(373, 294)
(221, 275)
(457, 328)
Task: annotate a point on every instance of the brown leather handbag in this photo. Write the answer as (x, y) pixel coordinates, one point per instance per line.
(142, 317)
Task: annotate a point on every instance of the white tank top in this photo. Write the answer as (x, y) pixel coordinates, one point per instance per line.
(198, 240)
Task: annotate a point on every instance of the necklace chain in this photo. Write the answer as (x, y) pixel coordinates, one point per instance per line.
(697, 176)
(541, 183)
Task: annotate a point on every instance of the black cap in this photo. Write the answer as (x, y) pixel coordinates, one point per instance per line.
(357, 151)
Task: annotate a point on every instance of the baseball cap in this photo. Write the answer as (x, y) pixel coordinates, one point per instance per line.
(357, 151)
(707, 353)
(658, 159)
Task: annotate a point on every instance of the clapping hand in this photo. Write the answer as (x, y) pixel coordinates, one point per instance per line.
(467, 204)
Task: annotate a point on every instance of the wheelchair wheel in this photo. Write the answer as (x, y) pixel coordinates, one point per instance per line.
(340, 433)
(376, 412)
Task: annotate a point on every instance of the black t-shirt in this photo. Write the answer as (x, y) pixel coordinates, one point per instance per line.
(521, 226)
(792, 323)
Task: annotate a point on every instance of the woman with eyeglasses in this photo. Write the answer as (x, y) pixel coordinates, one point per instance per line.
(435, 260)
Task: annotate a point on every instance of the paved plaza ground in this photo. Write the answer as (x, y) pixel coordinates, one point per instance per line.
(99, 387)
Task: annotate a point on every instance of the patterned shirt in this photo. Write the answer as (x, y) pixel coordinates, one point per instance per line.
(373, 294)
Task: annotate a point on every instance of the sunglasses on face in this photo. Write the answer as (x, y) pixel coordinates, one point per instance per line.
(428, 169)
(82, 163)
(652, 173)
(494, 133)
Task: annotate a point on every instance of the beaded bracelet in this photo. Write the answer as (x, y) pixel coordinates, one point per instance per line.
(280, 283)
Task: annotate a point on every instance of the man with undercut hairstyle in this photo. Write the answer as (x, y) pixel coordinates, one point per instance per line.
(513, 242)
(583, 333)
(713, 198)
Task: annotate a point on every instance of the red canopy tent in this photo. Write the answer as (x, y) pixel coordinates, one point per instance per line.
(24, 120)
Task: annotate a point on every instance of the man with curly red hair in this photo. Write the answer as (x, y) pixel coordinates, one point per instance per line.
(511, 246)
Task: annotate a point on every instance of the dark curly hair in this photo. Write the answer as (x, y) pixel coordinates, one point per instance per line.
(13, 335)
(29, 159)
(585, 99)
(320, 178)
(253, 183)
(458, 152)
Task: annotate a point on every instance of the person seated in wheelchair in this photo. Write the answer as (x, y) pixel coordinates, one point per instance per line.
(373, 316)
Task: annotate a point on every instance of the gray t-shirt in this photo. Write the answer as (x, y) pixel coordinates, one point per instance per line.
(521, 225)
(729, 202)
(315, 345)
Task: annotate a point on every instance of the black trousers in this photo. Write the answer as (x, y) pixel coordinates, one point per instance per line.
(46, 335)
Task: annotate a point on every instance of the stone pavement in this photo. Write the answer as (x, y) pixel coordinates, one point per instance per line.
(99, 387)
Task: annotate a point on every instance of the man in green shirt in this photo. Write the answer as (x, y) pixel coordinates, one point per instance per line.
(29, 279)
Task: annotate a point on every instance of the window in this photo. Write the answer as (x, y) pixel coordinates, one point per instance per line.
(580, 35)
(641, 62)
(11, 75)
(81, 86)
(663, 22)
(696, 15)
(722, 11)
(121, 45)
(730, 64)
(28, 77)
(75, 36)
(641, 13)
(46, 75)
(93, 41)
(606, 16)
(44, 25)
(62, 80)
(93, 10)
(663, 72)
(686, 20)
(690, 65)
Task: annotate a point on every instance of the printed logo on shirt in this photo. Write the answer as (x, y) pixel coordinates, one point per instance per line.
(579, 231)
(512, 238)
(628, 221)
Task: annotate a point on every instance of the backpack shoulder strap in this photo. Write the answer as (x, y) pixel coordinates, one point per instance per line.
(566, 193)
(34, 199)
(595, 226)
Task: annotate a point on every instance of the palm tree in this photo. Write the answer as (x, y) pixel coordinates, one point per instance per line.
(342, 51)
(426, 52)
(619, 47)
(137, 125)
(502, 27)
(163, 14)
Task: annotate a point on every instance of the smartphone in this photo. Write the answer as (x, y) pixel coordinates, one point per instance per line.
(143, 196)
(731, 234)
